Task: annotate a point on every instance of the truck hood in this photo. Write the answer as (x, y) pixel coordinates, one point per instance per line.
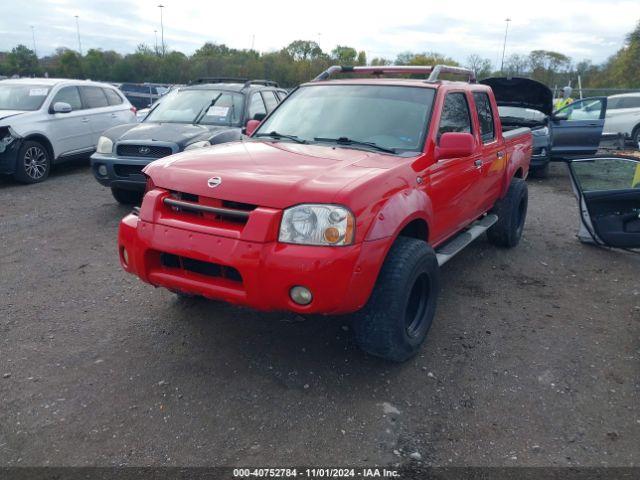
(270, 174)
(9, 113)
(178, 133)
(521, 92)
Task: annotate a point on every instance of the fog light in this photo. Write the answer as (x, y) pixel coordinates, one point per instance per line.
(102, 170)
(125, 257)
(301, 295)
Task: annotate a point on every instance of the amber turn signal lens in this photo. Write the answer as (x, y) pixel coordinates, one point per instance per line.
(332, 235)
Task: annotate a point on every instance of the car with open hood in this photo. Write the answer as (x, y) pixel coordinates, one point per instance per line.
(200, 115)
(574, 130)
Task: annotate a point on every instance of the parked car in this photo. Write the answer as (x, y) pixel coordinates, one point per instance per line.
(44, 121)
(346, 199)
(191, 117)
(142, 95)
(142, 113)
(623, 116)
(575, 130)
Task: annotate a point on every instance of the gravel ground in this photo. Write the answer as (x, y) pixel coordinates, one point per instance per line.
(532, 358)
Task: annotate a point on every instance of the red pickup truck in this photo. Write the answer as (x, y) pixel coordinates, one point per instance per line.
(346, 199)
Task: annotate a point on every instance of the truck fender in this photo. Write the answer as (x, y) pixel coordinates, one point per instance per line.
(398, 211)
(517, 166)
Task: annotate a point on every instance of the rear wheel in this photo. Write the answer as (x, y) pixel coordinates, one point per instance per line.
(512, 214)
(398, 315)
(635, 136)
(127, 197)
(33, 164)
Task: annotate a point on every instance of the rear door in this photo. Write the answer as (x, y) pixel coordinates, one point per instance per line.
(577, 128)
(609, 194)
(120, 112)
(97, 110)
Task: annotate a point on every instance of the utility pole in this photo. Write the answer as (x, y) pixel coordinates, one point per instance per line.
(33, 35)
(161, 28)
(504, 45)
(78, 32)
(253, 41)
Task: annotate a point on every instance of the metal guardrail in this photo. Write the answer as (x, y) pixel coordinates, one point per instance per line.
(434, 72)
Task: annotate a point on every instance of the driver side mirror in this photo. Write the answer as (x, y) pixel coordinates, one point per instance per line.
(557, 118)
(252, 126)
(455, 145)
(61, 107)
(259, 116)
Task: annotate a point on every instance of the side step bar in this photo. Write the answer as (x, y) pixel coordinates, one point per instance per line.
(454, 246)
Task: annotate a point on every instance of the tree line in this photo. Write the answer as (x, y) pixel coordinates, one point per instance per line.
(301, 60)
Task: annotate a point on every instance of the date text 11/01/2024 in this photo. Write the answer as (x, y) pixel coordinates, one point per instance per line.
(315, 473)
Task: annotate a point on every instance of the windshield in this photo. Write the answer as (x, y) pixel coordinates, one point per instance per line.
(22, 97)
(209, 107)
(390, 117)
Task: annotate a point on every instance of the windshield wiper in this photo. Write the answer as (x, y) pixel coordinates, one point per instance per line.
(204, 110)
(275, 134)
(351, 141)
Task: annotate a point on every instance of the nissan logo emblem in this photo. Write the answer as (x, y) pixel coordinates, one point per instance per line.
(213, 182)
(144, 150)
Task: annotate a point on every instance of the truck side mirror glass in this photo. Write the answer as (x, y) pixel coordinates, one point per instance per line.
(251, 127)
(259, 116)
(455, 145)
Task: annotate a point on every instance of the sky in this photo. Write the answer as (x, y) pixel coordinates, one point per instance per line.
(585, 29)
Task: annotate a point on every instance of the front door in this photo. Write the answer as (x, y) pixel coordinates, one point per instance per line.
(70, 131)
(450, 182)
(609, 193)
(577, 128)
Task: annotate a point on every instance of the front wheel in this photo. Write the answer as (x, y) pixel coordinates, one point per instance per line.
(398, 315)
(127, 197)
(34, 163)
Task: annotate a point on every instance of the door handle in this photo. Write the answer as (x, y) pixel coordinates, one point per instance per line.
(478, 163)
(114, 115)
(85, 120)
(500, 155)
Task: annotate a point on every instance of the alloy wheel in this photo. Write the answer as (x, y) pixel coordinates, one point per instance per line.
(35, 162)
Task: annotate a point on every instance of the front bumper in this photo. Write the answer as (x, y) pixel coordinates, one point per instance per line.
(340, 278)
(9, 157)
(122, 172)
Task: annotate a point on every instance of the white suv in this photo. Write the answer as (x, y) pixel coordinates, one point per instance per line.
(623, 116)
(45, 121)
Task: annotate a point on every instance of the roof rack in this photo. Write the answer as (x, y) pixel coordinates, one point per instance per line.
(434, 72)
(220, 80)
(266, 83)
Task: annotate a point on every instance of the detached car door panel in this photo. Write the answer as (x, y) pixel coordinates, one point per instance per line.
(609, 192)
(577, 128)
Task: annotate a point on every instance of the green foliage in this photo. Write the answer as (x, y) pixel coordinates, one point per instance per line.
(22, 61)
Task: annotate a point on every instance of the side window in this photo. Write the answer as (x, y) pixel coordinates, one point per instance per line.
(485, 116)
(256, 106)
(282, 94)
(270, 100)
(69, 95)
(630, 102)
(455, 114)
(588, 109)
(93, 97)
(112, 97)
(607, 174)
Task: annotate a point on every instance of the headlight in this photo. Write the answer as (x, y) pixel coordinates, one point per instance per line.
(540, 132)
(105, 145)
(317, 224)
(6, 137)
(197, 145)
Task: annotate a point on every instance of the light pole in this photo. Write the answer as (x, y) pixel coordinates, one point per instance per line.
(161, 28)
(504, 45)
(155, 32)
(78, 32)
(33, 35)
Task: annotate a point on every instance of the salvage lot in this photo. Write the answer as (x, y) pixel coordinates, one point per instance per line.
(532, 358)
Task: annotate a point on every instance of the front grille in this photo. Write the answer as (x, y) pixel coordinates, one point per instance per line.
(208, 269)
(143, 151)
(127, 170)
(209, 208)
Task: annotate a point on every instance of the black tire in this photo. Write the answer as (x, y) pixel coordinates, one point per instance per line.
(396, 319)
(635, 137)
(540, 172)
(512, 214)
(127, 197)
(33, 163)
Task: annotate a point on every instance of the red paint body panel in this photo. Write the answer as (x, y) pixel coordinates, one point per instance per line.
(385, 193)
